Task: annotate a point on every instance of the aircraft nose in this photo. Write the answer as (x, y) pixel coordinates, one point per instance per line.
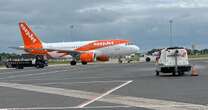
(135, 48)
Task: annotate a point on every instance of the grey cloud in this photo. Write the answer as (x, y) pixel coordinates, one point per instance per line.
(142, 21)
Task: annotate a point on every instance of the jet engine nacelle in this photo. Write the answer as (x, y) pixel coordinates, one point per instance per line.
(103, 58)
(87, 57)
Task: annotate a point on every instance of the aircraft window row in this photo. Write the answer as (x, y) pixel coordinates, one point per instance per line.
(75, 47)
(66, 47)
(71, 47)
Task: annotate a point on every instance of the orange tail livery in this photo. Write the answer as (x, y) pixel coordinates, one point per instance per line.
(31, 42)
(29, 38)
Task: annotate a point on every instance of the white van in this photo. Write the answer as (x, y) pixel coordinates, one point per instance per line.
(173, 60)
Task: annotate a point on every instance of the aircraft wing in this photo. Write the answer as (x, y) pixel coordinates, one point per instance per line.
(70, 52)
(17, 48)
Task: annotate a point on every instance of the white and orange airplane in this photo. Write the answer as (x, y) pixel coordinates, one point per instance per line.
(83, 51)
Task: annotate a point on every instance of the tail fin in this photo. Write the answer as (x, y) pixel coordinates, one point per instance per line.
(29, 37)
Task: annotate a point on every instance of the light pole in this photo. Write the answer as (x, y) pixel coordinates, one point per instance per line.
(171, 32)
(70, 34)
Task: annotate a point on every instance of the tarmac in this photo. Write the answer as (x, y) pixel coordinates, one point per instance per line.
(103, 87)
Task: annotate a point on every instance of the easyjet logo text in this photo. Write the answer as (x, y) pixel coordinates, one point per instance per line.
(103, 43)
(27, 33)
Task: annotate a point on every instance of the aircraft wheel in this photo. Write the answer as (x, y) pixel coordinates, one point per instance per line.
(73, 63)
(84, 63)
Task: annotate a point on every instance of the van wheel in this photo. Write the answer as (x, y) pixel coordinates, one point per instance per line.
(157, 73)
(180, 73)
(148, 59)
(120, 61)
(20, 67)
(174, 74)
(7, 66)
(39, 66)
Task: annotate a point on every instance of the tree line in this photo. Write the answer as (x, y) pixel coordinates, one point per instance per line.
(189, 51)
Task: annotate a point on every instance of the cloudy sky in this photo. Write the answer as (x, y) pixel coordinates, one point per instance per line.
(144, 22)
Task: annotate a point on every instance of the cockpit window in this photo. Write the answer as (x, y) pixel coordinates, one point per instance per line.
(130, 43)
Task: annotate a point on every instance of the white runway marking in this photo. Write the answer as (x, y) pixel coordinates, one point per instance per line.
(85, 82)
(22, 71)
(34, 74)
(155, 104)
(75, 78)
(3, 68)
(104, 94)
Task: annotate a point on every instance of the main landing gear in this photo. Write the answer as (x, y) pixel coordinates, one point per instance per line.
(73, 63)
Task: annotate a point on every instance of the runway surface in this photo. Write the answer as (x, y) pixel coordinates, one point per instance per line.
(103, 87)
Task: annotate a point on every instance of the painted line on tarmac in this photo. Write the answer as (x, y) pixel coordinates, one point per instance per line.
(75, 78)
(36, 70)
(59, 108)
(84, 82)
(146, 69)
(104, 94)
(3, 68)
(34, 74)
(22, 71)
(148, 103)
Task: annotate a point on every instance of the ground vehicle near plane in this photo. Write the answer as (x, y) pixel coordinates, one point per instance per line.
(173, 60)
(83, 51)
(38, 62)
(132, 57)
(148, 58)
